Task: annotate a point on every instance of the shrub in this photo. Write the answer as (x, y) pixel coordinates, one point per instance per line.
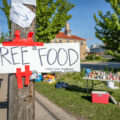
(93, 57)
(82, 73)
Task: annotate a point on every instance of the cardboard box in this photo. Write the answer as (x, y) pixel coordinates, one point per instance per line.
(100, 97)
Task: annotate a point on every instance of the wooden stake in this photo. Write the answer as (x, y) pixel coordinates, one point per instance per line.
(21, 102)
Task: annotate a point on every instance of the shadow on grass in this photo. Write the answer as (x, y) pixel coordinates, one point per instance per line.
(88, 98)
(75, 88)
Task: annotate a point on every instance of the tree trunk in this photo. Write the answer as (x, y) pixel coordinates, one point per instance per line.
(21, 102)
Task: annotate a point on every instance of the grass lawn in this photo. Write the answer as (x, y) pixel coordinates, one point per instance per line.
(74, 100)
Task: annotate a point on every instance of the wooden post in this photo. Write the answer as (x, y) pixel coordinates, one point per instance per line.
(21, 102)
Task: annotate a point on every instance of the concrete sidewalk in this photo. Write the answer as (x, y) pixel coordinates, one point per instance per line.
(46, 110)
(3, 97)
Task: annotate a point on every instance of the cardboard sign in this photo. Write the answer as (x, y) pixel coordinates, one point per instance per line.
(52, 57)
(21, 15)
(29, 2)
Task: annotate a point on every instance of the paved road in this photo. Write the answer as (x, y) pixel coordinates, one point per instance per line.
(100, 65)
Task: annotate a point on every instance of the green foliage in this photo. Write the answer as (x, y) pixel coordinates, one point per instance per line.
(6, 10)
(51, 17)
(108, 28)
(90, 57)
(82, 73)
(2, 37)
(93, 57)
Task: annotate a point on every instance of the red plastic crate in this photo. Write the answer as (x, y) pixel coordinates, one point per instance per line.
(100, 97)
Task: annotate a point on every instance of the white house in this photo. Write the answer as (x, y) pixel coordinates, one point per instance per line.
(97, 48)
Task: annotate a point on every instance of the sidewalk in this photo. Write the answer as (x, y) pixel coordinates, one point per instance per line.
(3, 97)
(46, 110)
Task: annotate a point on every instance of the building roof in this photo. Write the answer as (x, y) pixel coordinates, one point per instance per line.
(96, 46)
(63, 35)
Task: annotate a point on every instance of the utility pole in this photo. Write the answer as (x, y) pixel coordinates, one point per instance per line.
(21, 101)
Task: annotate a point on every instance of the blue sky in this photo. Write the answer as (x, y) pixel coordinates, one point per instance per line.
(82, 22)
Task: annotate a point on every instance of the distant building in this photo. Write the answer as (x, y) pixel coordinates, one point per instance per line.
(87, 49)
(97, 48)
(66, 37)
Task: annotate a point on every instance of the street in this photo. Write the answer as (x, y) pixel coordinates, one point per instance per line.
(99, 65)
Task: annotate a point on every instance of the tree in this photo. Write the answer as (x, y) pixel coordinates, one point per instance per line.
(6, 10)
(51, 17)
(108, 28)
(2, 37)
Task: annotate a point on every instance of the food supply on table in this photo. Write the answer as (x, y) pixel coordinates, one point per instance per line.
(95, 74)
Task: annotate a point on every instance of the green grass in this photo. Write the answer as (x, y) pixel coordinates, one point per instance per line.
(74, 100)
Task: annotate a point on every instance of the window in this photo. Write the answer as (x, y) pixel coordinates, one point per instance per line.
(81, 43)
(68, 41)
(55, 41)
(60, 41)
